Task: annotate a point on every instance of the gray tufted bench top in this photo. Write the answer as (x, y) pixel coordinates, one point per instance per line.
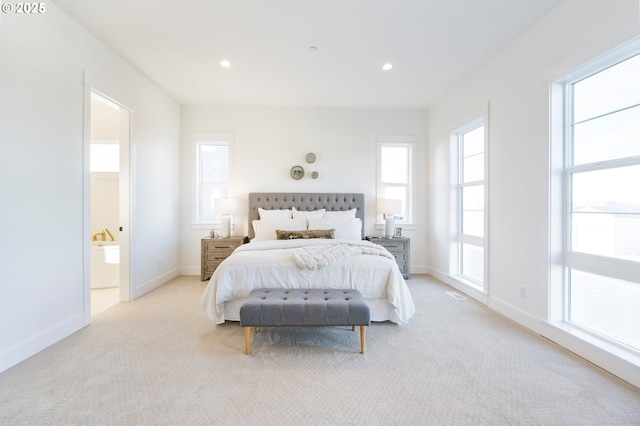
(298, 307)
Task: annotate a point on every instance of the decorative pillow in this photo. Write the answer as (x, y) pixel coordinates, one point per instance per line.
(274, 214)
(350, 229)
(266, 229)
(311, 233)
(314, 213)
(340, 214)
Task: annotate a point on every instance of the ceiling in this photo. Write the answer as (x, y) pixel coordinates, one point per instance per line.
(431, 43)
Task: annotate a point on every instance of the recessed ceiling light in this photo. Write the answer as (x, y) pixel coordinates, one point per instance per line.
(225, 63)
(313, 48)
(387, 66)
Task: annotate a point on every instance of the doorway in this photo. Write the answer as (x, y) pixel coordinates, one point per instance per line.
(109, 205)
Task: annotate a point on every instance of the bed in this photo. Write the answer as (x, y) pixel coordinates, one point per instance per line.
(321, 245)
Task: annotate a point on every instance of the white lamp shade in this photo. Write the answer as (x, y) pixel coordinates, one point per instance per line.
(389, 206)
(225, 205)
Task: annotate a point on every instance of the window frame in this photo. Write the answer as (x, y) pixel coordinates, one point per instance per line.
(562, 257)
(411, 143)
(197, 141)
(472, 121)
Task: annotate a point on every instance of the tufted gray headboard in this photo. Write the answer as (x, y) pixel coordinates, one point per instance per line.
(305, 201)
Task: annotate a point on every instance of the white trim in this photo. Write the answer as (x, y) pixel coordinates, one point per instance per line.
(198, 139)
(616, 359)
(411, 142)
(478, 117)
(190, 270)
(607, 356)
(126, 189)
(150, 285)
(459, 284)
(621, 363)
(27, 348)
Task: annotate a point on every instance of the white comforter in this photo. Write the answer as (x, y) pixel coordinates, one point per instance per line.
(308, 263)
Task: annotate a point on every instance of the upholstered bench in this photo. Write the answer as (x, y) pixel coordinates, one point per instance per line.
(270, 307)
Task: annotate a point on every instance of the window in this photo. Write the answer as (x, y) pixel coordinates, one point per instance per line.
(104, 156)
(212, 174)
(396, 174)
(601, 174)
(468, 199)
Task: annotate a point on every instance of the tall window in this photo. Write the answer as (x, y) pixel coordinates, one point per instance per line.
(468, 146)
(212, 174)
(396, 174)
(602, 211)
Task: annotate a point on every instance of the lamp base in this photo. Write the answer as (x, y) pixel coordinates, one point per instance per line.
(389, 226)
(225, 227)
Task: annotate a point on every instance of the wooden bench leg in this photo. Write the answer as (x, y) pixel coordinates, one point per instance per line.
(362, 338)
(247, 340)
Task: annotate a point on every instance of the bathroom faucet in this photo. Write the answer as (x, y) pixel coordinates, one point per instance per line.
(103, 236)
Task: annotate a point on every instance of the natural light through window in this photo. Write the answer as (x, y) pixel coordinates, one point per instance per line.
(396, 173)
(212, 163)
(468, 165)
(104, 157)
(602, 176)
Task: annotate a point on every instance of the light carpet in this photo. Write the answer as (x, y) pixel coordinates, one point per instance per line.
(160, 361)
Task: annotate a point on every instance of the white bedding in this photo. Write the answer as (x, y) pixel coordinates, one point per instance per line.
(272, 263)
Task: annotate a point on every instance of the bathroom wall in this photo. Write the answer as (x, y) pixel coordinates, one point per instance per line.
(104, 203)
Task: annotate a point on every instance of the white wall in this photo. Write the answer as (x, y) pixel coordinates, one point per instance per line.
(42, 278)
(104, 203)
(269, 141)
(515, 83)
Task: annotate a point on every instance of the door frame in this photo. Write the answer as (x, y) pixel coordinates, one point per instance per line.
(93, 85)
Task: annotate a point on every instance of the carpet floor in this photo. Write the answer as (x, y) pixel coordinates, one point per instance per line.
(160, 361)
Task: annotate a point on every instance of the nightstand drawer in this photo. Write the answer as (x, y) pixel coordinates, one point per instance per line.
(221, 247)
(214, 250)
(399, 256)
(393, 246)
(216, 255)
(399, 247)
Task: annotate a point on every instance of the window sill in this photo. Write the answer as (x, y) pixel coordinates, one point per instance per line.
(404, 226)
(628, 355)
(206, 226)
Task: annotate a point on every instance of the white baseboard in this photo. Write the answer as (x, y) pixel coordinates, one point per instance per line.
(155, 283)
(419, 269)
(41, 341)
(459, 285)
(190, 270)
(609, 357)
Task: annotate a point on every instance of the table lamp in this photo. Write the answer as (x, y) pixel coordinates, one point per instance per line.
(226, 207)
(389, 207)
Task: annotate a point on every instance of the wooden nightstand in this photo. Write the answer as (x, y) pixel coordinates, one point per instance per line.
(399, 248)
(215, 250)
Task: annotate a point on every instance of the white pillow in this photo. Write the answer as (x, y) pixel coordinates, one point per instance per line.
(350, 229)
(315, 213)
(274, 214)
(266, 229)
(340, 214)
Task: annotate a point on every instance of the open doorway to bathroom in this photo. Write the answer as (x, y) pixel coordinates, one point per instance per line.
(109, 202)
